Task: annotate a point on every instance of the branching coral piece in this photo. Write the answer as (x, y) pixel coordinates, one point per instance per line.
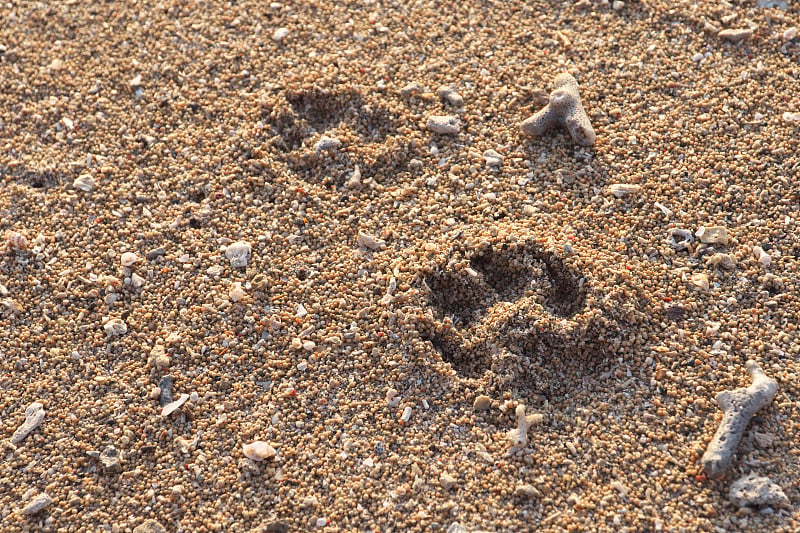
(565, 110)
(739, 407)
(519, 435)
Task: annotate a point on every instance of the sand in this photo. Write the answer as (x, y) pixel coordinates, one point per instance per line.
(398, 300)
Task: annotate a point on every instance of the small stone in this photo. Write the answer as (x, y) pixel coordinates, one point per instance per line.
(763, 440)
(277, 527)
(411, 88)
(128, 259)
(153, 254)
(447, 481)
(712, 235)
(34, 414)
(790, 33)
(780, 4)
(444, 124)
(259, 451)
(449, 94)
(165, 386)
(617, 5)
(455, 527)
(150, 526)
(155, 392)
(174, 406)
(481, 403)
(735, 35)
(115, 327)
(309, 346)
(111, 460)
(527, 491)
(754, 491)
(159, 357)
(37, 504)
(492, 159)
(325, 144)
(321, 522)
(135, 82)
(137, 281)
(280, 34)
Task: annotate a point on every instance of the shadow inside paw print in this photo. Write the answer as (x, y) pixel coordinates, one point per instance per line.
(36, 179)
(519, 314)
(343, 114)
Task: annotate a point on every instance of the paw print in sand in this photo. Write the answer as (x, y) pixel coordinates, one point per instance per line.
(515, 315)
(324, 135)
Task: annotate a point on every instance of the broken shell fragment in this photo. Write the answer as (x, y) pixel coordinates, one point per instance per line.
(700, 281)
(680, 239)
(174, 406)
(84, 183)
(259, 451)
(17, 241)
(712, 235)
(621, 190)
(723, 261)
(238, 253)
(368, 241)
(114, 327)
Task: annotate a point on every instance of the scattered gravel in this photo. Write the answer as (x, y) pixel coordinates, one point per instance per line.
(424, 271)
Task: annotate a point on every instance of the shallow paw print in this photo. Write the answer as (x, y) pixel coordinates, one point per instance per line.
(324, 135)
(517, 313)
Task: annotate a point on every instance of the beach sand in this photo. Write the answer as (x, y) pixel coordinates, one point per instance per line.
(242, 207)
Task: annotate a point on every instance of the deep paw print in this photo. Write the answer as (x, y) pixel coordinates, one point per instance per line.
(515, 313)
(367, 132)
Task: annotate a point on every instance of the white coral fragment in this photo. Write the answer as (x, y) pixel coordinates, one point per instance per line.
(738, 407)
(519, 435)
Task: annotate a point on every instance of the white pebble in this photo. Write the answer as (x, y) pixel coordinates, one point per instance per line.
(280, 34)
(137, 281)
(406, 416)
(790, 34)
(322, 522)
(259, 450)
(302, 367)
(697, 57)
(128, 258)
(617, 5)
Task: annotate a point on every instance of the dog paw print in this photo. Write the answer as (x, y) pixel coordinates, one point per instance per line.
(323, 135)
(514, 313)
